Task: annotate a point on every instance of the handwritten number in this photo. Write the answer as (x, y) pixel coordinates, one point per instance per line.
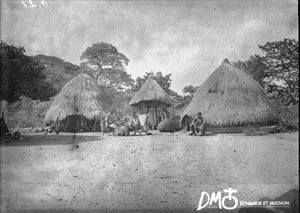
(24, 4)
(44, 3)
(32, 5)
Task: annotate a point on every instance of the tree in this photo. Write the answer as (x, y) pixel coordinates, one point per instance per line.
(254, 67)
(22, 75)
(58, 72)
(282, 62)
(107, 65)
(189, 89)
(277, 71)
(120, 100)
(163, 81)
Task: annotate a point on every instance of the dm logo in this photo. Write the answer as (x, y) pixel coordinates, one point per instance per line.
(218, 199)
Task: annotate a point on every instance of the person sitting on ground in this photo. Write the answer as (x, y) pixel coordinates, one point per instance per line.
(198, 125)
(110, 121)
(134, 123)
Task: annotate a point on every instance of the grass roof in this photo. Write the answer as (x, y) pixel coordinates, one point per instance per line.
(151, 91)
(80, 96)
(231, 97)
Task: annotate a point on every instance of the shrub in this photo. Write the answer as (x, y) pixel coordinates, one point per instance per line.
(254, 131)
(27, 113)
(288, 118)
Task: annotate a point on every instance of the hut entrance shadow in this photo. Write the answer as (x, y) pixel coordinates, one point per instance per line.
(79, 123)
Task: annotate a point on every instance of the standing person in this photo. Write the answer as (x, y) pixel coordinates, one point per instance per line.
(110, 121)
(198, 125)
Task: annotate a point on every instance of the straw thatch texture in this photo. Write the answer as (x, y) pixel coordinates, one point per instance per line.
(80, 96)
(151, 91)
(231, 97)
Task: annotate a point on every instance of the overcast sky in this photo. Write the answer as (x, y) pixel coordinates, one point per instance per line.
(188, 39)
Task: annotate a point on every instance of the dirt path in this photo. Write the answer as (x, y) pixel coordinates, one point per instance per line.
(160, 172)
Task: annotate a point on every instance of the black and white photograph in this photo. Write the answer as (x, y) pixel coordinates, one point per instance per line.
(176, 106)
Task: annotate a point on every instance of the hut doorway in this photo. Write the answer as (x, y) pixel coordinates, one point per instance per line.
(76, 123)
(156, 113)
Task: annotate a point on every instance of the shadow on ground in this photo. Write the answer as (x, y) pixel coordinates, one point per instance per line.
(39, 139)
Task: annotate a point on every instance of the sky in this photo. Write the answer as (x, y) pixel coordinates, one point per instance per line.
(188, 39)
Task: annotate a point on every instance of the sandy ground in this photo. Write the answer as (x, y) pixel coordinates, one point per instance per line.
(163, 172)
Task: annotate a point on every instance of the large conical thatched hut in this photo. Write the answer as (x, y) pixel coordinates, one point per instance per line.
(79, 106)
(231, 100)
(151, 99)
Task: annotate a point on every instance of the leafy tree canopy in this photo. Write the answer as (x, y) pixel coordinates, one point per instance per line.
(107, 65)
(163, 81)
(277, 70)
(22, 75)
(254, 67)
(189, 89)
(282, 62)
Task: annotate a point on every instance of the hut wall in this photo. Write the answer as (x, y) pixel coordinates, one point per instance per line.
(185, 124)
(236, 129)
(155, 116)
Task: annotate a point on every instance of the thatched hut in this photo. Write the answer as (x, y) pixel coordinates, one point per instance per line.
(79, 106)
(231, 100)
(151, 99)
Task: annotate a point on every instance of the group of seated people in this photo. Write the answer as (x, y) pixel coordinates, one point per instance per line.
(132, 124)
(125, 126)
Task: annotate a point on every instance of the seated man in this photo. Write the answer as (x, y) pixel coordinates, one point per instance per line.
(110, 121)
(198, 125)
(134, 123)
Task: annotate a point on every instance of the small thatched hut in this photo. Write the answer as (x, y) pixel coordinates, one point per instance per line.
(151, 99)
(231, 100)
(79, 106)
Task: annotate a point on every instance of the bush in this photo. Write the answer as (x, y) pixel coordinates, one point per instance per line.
(254, 131)
(288, 118)
(27, 113)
